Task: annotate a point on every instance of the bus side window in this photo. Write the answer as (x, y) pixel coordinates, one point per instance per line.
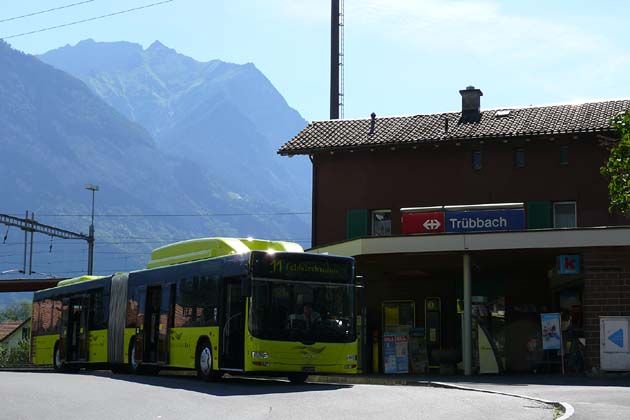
(132, 310)
(56, 316)
(96, 320)
(46, 316)
(35, 319)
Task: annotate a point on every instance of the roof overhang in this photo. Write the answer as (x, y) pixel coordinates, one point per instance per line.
(470, 242)
(28, 285)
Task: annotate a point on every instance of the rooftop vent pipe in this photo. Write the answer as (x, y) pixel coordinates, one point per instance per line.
(372, 122)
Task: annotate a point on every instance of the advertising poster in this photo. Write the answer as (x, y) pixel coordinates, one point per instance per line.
(396, 353)
(389, 353)
(551, 332)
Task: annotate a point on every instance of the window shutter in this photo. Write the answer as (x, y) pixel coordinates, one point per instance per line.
(356, 223)
(539, 215)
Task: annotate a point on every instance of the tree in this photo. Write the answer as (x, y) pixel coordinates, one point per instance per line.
(617, 169)
(16, 311)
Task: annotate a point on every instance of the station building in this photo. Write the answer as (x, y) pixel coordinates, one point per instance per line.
(468, 226)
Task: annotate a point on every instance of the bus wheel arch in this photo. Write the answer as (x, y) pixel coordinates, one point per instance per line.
(58, 364)
(135, 366)
(204, 362)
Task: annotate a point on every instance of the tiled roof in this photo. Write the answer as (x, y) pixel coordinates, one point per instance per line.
(431, 128)
(7, 327)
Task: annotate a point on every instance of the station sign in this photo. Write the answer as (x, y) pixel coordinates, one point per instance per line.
(485, 220)
(429, 222)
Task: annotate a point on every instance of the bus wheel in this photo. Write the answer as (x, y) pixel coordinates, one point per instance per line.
(135, 366)
(297, 378)
(58, 365)
(204, 362)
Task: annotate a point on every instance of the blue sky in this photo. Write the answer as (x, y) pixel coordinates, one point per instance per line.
(402, 57)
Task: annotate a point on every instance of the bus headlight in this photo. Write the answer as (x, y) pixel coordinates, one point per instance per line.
(260, 355)
(351, 357)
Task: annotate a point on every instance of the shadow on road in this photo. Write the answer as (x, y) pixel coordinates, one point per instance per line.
(227, 387)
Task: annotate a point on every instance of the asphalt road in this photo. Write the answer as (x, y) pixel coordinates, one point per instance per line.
(592, 398)
(105, 396)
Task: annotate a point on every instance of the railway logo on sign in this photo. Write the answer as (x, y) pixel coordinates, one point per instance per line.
(423, 222)
(432, 224)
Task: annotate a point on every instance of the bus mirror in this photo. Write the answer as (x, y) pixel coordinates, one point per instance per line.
(246, 286)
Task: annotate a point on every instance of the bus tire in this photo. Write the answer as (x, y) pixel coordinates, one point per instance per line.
(58, 365)
(135, 366)
(297, 378)
(204, 361)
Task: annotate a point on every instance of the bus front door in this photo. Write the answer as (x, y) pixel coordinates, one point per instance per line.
(233, 335)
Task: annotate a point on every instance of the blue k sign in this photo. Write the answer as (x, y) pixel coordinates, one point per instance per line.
(568, 264)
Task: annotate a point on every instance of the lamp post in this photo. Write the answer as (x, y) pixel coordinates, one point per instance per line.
(92, 188)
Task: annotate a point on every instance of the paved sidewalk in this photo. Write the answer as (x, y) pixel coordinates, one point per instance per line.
(605, 396)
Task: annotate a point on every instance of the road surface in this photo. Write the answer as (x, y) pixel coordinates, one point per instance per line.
(106, 396)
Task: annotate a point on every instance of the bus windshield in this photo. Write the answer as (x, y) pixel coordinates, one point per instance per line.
(302, 311)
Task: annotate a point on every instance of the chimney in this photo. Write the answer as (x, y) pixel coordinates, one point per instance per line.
(372, 123)
(471, 102)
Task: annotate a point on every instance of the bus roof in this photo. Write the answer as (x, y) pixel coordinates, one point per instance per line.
(203, 248)
(77, 280)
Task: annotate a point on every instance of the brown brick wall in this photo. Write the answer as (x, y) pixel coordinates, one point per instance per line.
(606, 292)
(429, 176)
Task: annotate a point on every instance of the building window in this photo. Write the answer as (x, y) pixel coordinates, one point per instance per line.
(476, 160)
(519, 158)
(564, 155)
(564, 214)
(381, 222)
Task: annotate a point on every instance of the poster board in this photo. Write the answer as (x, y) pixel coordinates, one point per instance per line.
(418, 356)
(395, 353)
(551, 331)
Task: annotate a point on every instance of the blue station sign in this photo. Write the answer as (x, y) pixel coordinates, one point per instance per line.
(485, 220)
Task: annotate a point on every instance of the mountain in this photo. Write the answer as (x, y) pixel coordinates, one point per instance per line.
(56, 135)
(228, 118)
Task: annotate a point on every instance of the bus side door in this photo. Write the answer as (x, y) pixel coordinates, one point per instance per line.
(166, 315)
(84, 316)
(139, 337)
(63, 333)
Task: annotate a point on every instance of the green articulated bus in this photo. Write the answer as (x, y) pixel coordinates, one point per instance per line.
(215, 305)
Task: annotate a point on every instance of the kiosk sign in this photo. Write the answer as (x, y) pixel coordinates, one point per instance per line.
(485, 220)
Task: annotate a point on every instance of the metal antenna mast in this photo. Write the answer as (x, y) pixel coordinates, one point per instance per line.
(336, 59)
(341, 60)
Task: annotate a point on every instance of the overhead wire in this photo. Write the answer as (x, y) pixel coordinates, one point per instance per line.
(46, 11)
(86, 20)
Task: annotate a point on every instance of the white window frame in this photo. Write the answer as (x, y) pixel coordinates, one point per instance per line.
(555, 225)
(373, 221)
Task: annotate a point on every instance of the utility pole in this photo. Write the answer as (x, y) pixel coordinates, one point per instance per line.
(92, 188)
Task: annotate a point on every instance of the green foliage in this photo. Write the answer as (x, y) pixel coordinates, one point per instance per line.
(16, 311)
(15, 356)
(617, 169)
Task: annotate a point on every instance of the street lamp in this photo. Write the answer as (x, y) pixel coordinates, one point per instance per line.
(92, 188)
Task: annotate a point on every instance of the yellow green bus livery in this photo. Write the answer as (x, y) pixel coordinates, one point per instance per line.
(215, 305)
